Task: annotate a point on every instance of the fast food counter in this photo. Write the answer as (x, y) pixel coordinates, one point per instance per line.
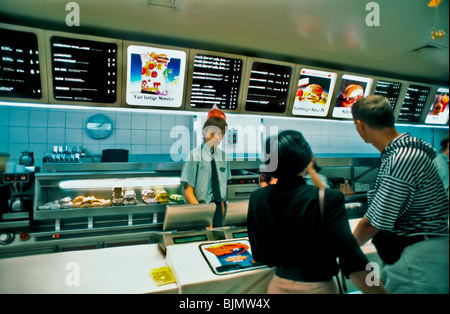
(90, 205)
(74, 206)
(197, 267)
(129, 238)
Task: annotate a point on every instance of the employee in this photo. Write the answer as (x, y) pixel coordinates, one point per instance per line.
(206, 170)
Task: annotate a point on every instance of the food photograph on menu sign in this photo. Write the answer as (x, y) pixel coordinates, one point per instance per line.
(438, 113)
(155, 76)
(352, 89)
(314, 92)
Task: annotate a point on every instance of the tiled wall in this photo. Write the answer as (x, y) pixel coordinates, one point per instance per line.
(38, 129)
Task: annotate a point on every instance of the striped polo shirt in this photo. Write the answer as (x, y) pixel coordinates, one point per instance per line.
(408, 197)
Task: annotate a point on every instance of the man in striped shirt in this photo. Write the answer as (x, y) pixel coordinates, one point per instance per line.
(408, 207)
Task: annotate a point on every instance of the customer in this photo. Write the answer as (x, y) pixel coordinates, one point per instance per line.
(207, 171)
(312, 177)
(441, 163)
(286, 228)
(408, 210)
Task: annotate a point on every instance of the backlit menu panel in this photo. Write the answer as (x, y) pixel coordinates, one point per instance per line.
(155, 76)
(84, 70)
(390, 90)
(438, 113)
(19, 65)
(314, 92)
(268, 87)
(414, 103)
(352, 89)
(215, 81)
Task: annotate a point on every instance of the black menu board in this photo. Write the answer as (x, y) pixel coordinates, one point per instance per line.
(19, 65)
(414, 103)
(268, 87)
(83, 70)
(215, 81)
(390, 90)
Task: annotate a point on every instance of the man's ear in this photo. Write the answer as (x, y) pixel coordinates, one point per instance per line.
(361, 124)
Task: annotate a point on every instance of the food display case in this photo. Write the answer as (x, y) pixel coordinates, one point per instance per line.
(102, 199)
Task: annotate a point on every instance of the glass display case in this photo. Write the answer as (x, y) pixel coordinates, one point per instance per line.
(104, 198)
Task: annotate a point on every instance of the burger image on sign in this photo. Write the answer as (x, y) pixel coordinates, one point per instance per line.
(313, 92)
(351, 94)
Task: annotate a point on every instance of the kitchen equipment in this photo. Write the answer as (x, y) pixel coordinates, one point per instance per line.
(19, 188)
(10, 166)
(17, 205)
(27, 158)
(114, 155)
(241, 185)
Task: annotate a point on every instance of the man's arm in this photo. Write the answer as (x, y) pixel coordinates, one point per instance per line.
(189, 194)
(364, 231)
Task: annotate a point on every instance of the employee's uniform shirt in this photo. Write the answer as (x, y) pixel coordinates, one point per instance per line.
(197, 172)
(408, 196)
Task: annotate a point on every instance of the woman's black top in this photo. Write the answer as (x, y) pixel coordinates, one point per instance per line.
(286, 230)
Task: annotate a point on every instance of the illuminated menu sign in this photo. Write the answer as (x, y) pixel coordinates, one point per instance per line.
(314, 92)
(19, 65)
(390, 90)
(155, 76)
(268, 87)
(438, 113)
(84, 70)
(352, 89)
(215, 81)
(414, 103)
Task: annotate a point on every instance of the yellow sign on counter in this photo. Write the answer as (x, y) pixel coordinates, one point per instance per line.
(162, 276)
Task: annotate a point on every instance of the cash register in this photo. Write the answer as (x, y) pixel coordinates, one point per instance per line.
(235, 222)
(186, 223)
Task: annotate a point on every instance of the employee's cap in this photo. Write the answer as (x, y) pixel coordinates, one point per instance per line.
(215, 112)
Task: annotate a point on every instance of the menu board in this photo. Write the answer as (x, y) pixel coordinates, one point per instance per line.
(215, 81)
(155, 76)
(438, 113)
(388, 89)
(314, 92)
(268, 87)
(352, 89)
(83, 70)
(413, 104)
(19, 65)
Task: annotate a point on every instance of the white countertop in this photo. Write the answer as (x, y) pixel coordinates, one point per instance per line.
(194, 275)
(127, 270)
(109, 270)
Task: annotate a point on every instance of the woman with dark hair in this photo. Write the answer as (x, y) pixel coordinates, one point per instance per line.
(287, 229)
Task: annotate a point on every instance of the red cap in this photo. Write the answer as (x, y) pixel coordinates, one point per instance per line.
(217, 113)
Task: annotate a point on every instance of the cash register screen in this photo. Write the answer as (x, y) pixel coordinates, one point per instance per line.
(188, 217)
(236, 214)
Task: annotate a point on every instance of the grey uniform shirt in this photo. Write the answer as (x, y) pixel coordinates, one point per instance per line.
(197, 173)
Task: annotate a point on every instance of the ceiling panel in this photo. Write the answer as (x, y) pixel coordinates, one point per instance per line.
(306, 31)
